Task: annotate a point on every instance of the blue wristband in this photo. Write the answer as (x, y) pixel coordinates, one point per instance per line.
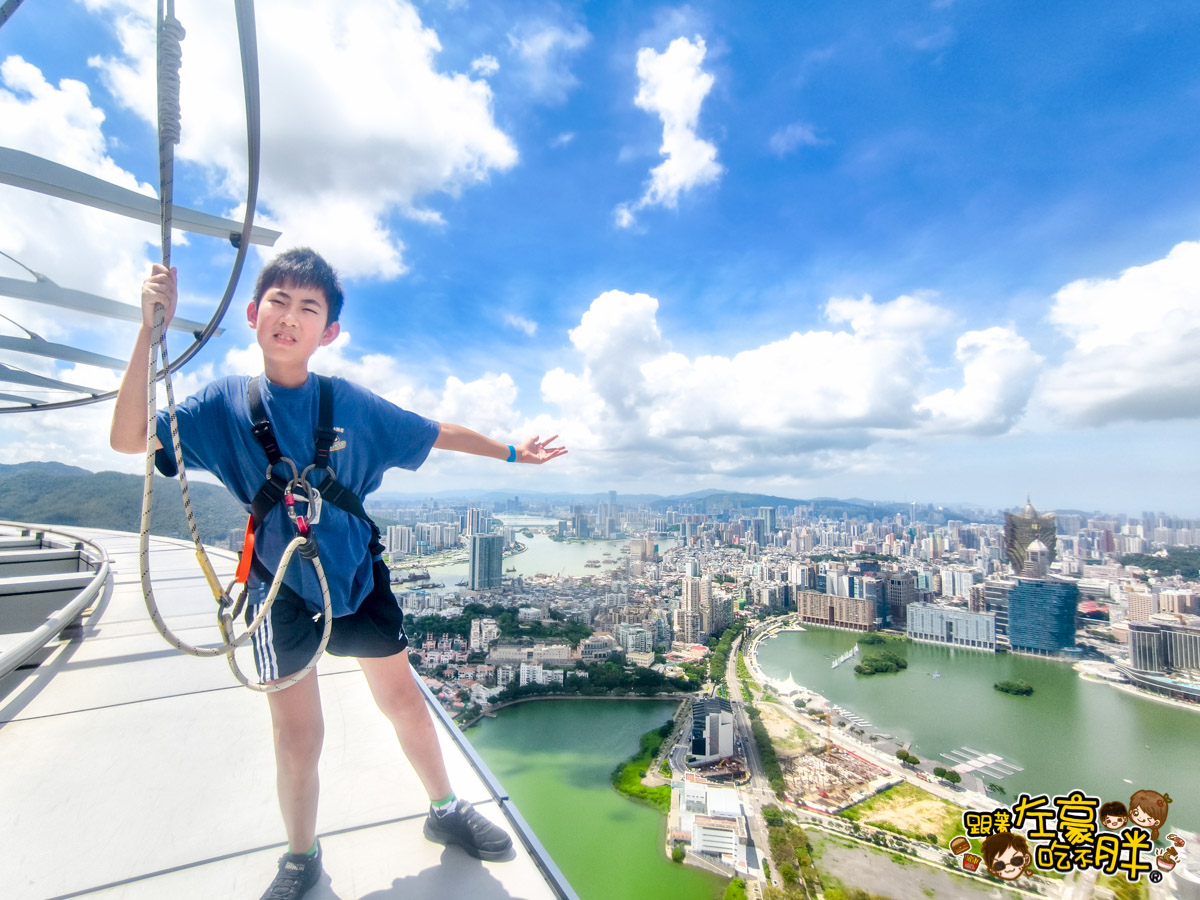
(512, 453)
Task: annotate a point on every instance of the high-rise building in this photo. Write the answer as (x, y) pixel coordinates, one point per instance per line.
(1041, 615)
(486, 562)
(995, 594)
(686, 626)
(1022, 529)
(873, 593)
(479, 521)
(900, 588)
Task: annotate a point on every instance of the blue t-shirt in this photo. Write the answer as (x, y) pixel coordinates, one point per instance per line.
(214, 430)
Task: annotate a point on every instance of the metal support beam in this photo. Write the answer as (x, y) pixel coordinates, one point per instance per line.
(45, 291)
(18, 376)
(24, 170)
(39, 347)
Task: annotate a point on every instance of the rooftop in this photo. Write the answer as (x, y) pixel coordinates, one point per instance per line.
(139, 772)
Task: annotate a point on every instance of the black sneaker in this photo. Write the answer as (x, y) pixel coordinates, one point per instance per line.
(470, 830)
(297, 874)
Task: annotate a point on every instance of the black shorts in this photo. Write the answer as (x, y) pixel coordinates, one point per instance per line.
(290, 634)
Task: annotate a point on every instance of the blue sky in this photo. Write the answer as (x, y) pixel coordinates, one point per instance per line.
(942, 251)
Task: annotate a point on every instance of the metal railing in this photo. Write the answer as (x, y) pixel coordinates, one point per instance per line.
(92, 555)
(541, 858)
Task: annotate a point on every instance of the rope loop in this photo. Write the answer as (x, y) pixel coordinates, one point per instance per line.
(170, 59)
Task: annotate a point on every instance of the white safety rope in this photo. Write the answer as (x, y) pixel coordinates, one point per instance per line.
(169, 58)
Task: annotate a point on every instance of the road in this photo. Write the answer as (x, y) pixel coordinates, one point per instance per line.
(758, 792)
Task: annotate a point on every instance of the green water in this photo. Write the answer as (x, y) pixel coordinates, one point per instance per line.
(554, 759)
(1069, 734)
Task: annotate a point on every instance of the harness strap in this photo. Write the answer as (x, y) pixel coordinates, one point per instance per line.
(273, 489)
(326, 434)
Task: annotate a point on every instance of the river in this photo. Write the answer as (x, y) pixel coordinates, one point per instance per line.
(1070, 734)
(554, 759)
(544, 556)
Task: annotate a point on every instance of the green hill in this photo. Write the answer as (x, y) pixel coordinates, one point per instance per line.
(57, 494)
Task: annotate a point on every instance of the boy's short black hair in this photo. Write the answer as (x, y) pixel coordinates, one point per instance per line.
(302, 267)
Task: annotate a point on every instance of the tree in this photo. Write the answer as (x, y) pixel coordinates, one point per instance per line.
(678, 853)
(953, 777)
(939, 771)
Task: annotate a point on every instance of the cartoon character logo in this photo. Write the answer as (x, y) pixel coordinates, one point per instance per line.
(1113, 815)
(1149, 810)
(1006, 855)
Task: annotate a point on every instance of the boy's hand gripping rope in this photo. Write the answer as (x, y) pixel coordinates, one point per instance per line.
(228, 609)
(169, 59)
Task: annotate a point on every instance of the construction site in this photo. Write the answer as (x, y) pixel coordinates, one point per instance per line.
(816, 772)
(830, 778)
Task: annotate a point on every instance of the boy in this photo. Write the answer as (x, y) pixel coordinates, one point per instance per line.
(297, 300)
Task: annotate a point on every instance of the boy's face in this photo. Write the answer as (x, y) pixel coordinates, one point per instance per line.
(290, 323)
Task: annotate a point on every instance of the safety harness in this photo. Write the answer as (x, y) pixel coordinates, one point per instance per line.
(278, 489)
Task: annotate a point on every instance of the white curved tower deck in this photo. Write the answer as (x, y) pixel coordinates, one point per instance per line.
(132, 771)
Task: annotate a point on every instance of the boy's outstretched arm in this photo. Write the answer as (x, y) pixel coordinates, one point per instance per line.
(128, 432)
(464, 440)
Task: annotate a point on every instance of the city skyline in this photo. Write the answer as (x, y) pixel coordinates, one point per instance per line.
(949, 252)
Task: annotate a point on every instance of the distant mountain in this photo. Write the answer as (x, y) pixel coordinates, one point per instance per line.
(57, 494)
(705, 501)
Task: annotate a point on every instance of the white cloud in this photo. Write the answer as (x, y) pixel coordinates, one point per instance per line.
(563, 139)
(358, 123)
(484, 405)
(485, 66)
(807, 404)
(623, 216)
(521, 324)
(75, 247)
(673, 86)
(1135, 337)
(999, 371)
(543, 52)
(789, 138)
